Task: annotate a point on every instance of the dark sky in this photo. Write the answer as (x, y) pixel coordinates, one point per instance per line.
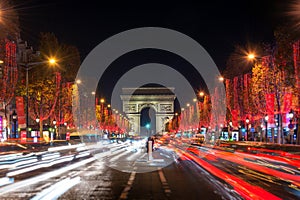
(216, 25)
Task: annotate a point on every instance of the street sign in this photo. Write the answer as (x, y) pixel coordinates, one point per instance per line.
(291, 126)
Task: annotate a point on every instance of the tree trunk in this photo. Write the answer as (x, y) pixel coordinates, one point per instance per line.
(7, 122)
(41, 129)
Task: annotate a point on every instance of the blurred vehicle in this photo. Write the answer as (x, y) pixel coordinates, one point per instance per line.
(198, 139)
(57, 143)
(74, 136)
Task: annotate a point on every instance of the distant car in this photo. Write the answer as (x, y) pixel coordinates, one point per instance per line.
(198, 139)
(56, 143)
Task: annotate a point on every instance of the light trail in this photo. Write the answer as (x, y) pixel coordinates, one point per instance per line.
(57, 189)
(45, 176)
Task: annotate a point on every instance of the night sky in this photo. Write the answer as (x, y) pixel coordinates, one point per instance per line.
(217, 25)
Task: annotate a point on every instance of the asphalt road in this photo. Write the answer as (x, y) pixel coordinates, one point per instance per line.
(125, 171)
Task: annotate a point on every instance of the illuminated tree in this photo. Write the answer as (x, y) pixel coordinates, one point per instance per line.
(259, 88)
(9, 34)
(9, 72)
(50, 93)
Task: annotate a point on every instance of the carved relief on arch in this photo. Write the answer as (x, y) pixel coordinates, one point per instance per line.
(145, 105)
(166, 107)
(130, 108)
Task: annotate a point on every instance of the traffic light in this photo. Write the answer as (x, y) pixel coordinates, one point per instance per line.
(147, 125)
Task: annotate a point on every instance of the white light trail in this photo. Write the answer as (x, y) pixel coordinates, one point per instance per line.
(44, 176)
(6, 180)
(65, 147)
(57, 189)
(39, 166)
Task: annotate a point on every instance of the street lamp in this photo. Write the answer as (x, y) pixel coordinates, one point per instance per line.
(201, 94)
(14, 118)
(247, 128)
(221, 78)
(291, 126)
(54, 123)
(28, 66)
(251, 56)
(266, 121)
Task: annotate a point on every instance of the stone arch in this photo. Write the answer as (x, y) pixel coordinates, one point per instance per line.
(160, 99)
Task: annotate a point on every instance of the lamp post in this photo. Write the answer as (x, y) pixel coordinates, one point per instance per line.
(14, 118)
(200, 107)
(247, 128)
(28, 66)
(291, 126)
(54, 123)
(266, 121)
(102, 118)
(37, 121)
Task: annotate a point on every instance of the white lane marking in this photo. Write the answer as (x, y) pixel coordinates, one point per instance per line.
(164, 182)
(129, 185)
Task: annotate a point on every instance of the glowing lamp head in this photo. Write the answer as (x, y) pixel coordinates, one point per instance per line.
(291, 114)
(52, 61)
(251, 56)
(247, 120)
(266, 118)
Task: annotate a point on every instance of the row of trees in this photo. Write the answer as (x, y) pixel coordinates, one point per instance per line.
(50, 87)
(9, 26)
(110, 120)
(267, 85)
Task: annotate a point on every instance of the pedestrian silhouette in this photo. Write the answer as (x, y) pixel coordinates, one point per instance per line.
(147, 143)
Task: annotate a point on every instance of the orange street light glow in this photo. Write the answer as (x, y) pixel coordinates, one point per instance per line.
(52, 61)
(251, 56)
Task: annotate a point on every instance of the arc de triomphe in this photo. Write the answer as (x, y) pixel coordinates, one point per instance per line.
(161, 99)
